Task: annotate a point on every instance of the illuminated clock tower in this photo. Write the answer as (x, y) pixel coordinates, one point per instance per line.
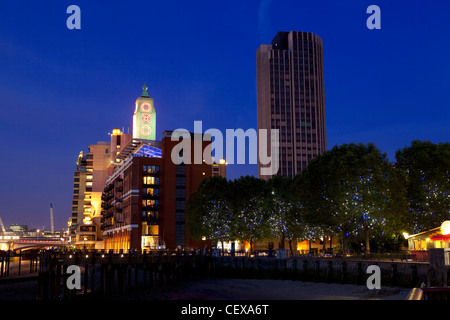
(144, 118)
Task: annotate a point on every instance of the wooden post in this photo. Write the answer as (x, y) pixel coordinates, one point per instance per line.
(359, 277)
(136, 272)
(130, 255)
(330, 271)
(65, 289)
(109, 275)
(58, 281)
(102, 277)
(86, 272)
(120, 278)
(305, 270)
(144, 268)
(52, 276)
(394, 274)
(317, 262)
(414, 277)
(43, 276)
(93, 271)
(7, 262)
(20, 259)
(294, 269)
(344, 272)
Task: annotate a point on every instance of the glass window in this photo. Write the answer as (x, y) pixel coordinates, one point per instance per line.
(151, 180)
(180, 193)
(181, 170)
(180, 204)
(151, 169)
(150, 202)
(151, 191)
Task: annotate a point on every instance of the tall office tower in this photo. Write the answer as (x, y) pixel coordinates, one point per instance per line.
(291, 98)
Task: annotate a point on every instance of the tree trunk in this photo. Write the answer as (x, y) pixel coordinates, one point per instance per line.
(344, 245)
(367, 235)
(282, 241)
(290, 247)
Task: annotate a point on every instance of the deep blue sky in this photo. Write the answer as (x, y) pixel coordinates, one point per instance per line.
(62, 90)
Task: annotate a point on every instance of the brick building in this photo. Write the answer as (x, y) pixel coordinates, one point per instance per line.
(144, 199)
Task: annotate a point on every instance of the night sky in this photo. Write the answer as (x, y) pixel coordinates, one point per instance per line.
(62, 90)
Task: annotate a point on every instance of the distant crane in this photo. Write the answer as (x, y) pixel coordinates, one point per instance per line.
(3, 226)
(51, 219)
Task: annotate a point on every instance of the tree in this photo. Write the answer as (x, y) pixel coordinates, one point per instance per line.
(250, 223)
(208, 211)
(346, 191)
(317, 189)
(284, 214)
(427, 169)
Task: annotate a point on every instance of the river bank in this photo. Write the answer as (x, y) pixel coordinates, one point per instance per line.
(233, 289)
(252, 289)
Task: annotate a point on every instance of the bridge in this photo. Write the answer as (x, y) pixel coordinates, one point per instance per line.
(16, 243)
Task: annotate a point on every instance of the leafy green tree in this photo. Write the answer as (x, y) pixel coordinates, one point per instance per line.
(208, 211)
(426, 166)
(248, 196)
(284, 214)
(346, 191)
(316, 189)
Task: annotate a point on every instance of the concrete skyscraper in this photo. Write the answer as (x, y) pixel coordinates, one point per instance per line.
(291, 97)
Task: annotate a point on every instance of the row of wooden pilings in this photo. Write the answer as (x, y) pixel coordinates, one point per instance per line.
(107, 274)
(23, 263)
(344, 271)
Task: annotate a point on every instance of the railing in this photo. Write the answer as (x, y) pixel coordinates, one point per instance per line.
(386, 255)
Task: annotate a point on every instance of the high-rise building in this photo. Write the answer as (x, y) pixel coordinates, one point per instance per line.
(89, 182)
(291, 98)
